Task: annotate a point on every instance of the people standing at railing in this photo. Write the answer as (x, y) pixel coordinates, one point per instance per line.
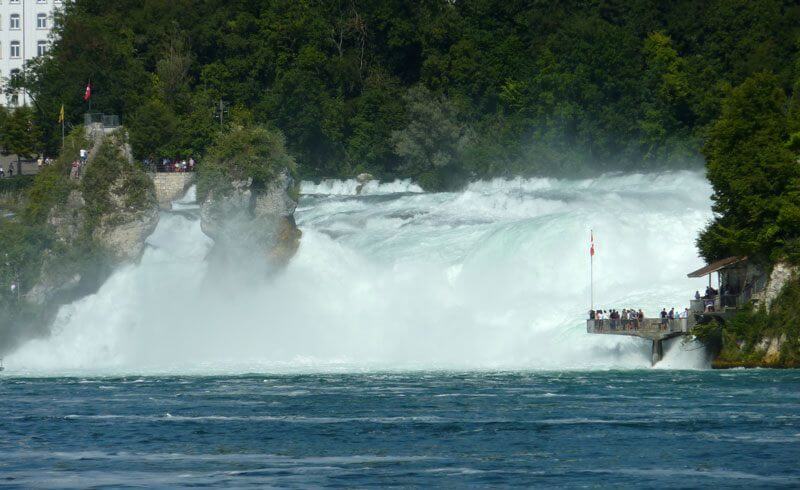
(664, 319)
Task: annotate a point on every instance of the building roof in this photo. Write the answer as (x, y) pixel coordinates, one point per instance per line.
(715, 266)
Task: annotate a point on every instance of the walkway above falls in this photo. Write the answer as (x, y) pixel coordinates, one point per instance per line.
(653, 329)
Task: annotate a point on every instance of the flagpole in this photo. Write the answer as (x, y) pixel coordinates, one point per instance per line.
(591, 271)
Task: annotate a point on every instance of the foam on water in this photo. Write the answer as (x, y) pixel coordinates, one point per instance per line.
(494, 277)
(333, 187)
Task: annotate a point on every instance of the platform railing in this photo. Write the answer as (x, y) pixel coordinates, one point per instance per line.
(674, 325)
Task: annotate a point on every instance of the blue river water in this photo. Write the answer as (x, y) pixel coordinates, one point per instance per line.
(637, 428)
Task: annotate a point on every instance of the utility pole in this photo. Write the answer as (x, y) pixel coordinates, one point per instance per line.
(220, 110)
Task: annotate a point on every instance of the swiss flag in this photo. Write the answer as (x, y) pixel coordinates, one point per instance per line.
(591, 248)
(88, 94)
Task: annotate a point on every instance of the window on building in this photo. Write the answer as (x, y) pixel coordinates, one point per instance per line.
(14, 21)
(15, 49)
(41, 48)
(41, 1)
(41, 21)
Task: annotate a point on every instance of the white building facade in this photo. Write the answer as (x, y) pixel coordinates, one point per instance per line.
(25, 27)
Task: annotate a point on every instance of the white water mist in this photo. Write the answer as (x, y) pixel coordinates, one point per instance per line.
(494, 277)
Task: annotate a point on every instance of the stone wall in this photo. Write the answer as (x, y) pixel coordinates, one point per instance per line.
(171, 186)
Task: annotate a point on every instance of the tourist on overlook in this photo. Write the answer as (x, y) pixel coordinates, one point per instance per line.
(75, 170)
(663, 318)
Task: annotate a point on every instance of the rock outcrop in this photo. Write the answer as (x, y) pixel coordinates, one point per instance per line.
(247, 222)
(781, 274)
(122, 229)
(92, 239)
(363, 179)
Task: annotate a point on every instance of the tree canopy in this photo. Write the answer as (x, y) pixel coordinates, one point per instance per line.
(546, 87)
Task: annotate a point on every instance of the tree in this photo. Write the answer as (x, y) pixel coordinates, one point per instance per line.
(667, 115)
(20, 135)
(434, 140)
(754, 173)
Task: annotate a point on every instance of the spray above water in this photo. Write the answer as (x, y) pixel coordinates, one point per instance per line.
(494, 277)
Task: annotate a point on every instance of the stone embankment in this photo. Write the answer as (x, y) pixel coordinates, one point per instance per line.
(170, 186)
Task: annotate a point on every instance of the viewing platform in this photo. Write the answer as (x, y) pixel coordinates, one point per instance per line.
(655, 330)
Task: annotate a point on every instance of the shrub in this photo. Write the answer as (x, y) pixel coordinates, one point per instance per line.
(241, 153)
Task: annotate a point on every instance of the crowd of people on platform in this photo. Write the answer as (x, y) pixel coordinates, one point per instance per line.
(631, 319)
(176, 164)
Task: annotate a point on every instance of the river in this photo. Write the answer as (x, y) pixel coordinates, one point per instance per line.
(415, 340)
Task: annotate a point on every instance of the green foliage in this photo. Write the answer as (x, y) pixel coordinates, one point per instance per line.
(17, 184)
(754, 173)
(566, 87)
(240, 153)
(110, 174)
(742, 340)
(52, 185)
(19, 134)
(433, 143)
(21, 249)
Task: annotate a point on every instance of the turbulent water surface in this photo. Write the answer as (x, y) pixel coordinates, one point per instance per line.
(416, 340)
(598, 429)
(494, 277)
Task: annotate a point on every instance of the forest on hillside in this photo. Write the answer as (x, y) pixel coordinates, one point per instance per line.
(441, 91)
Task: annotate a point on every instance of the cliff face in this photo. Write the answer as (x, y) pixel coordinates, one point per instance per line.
(100, 221)
(248, 221)
(123, 228)
(769, 335)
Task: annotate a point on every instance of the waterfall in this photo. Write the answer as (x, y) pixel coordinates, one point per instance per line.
(493, 277)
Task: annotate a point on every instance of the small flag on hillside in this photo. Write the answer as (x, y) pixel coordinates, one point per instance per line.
(88, 94)
(591, 248)
(61, 115)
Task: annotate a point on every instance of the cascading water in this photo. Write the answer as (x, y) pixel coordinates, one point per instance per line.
(494, 277)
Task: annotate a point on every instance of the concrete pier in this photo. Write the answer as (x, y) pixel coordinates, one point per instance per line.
(652, 329)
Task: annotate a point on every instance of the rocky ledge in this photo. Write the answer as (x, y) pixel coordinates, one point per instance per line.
(248, 221)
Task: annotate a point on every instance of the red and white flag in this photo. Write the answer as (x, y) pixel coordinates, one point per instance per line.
(591, 248)
(88, 94)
